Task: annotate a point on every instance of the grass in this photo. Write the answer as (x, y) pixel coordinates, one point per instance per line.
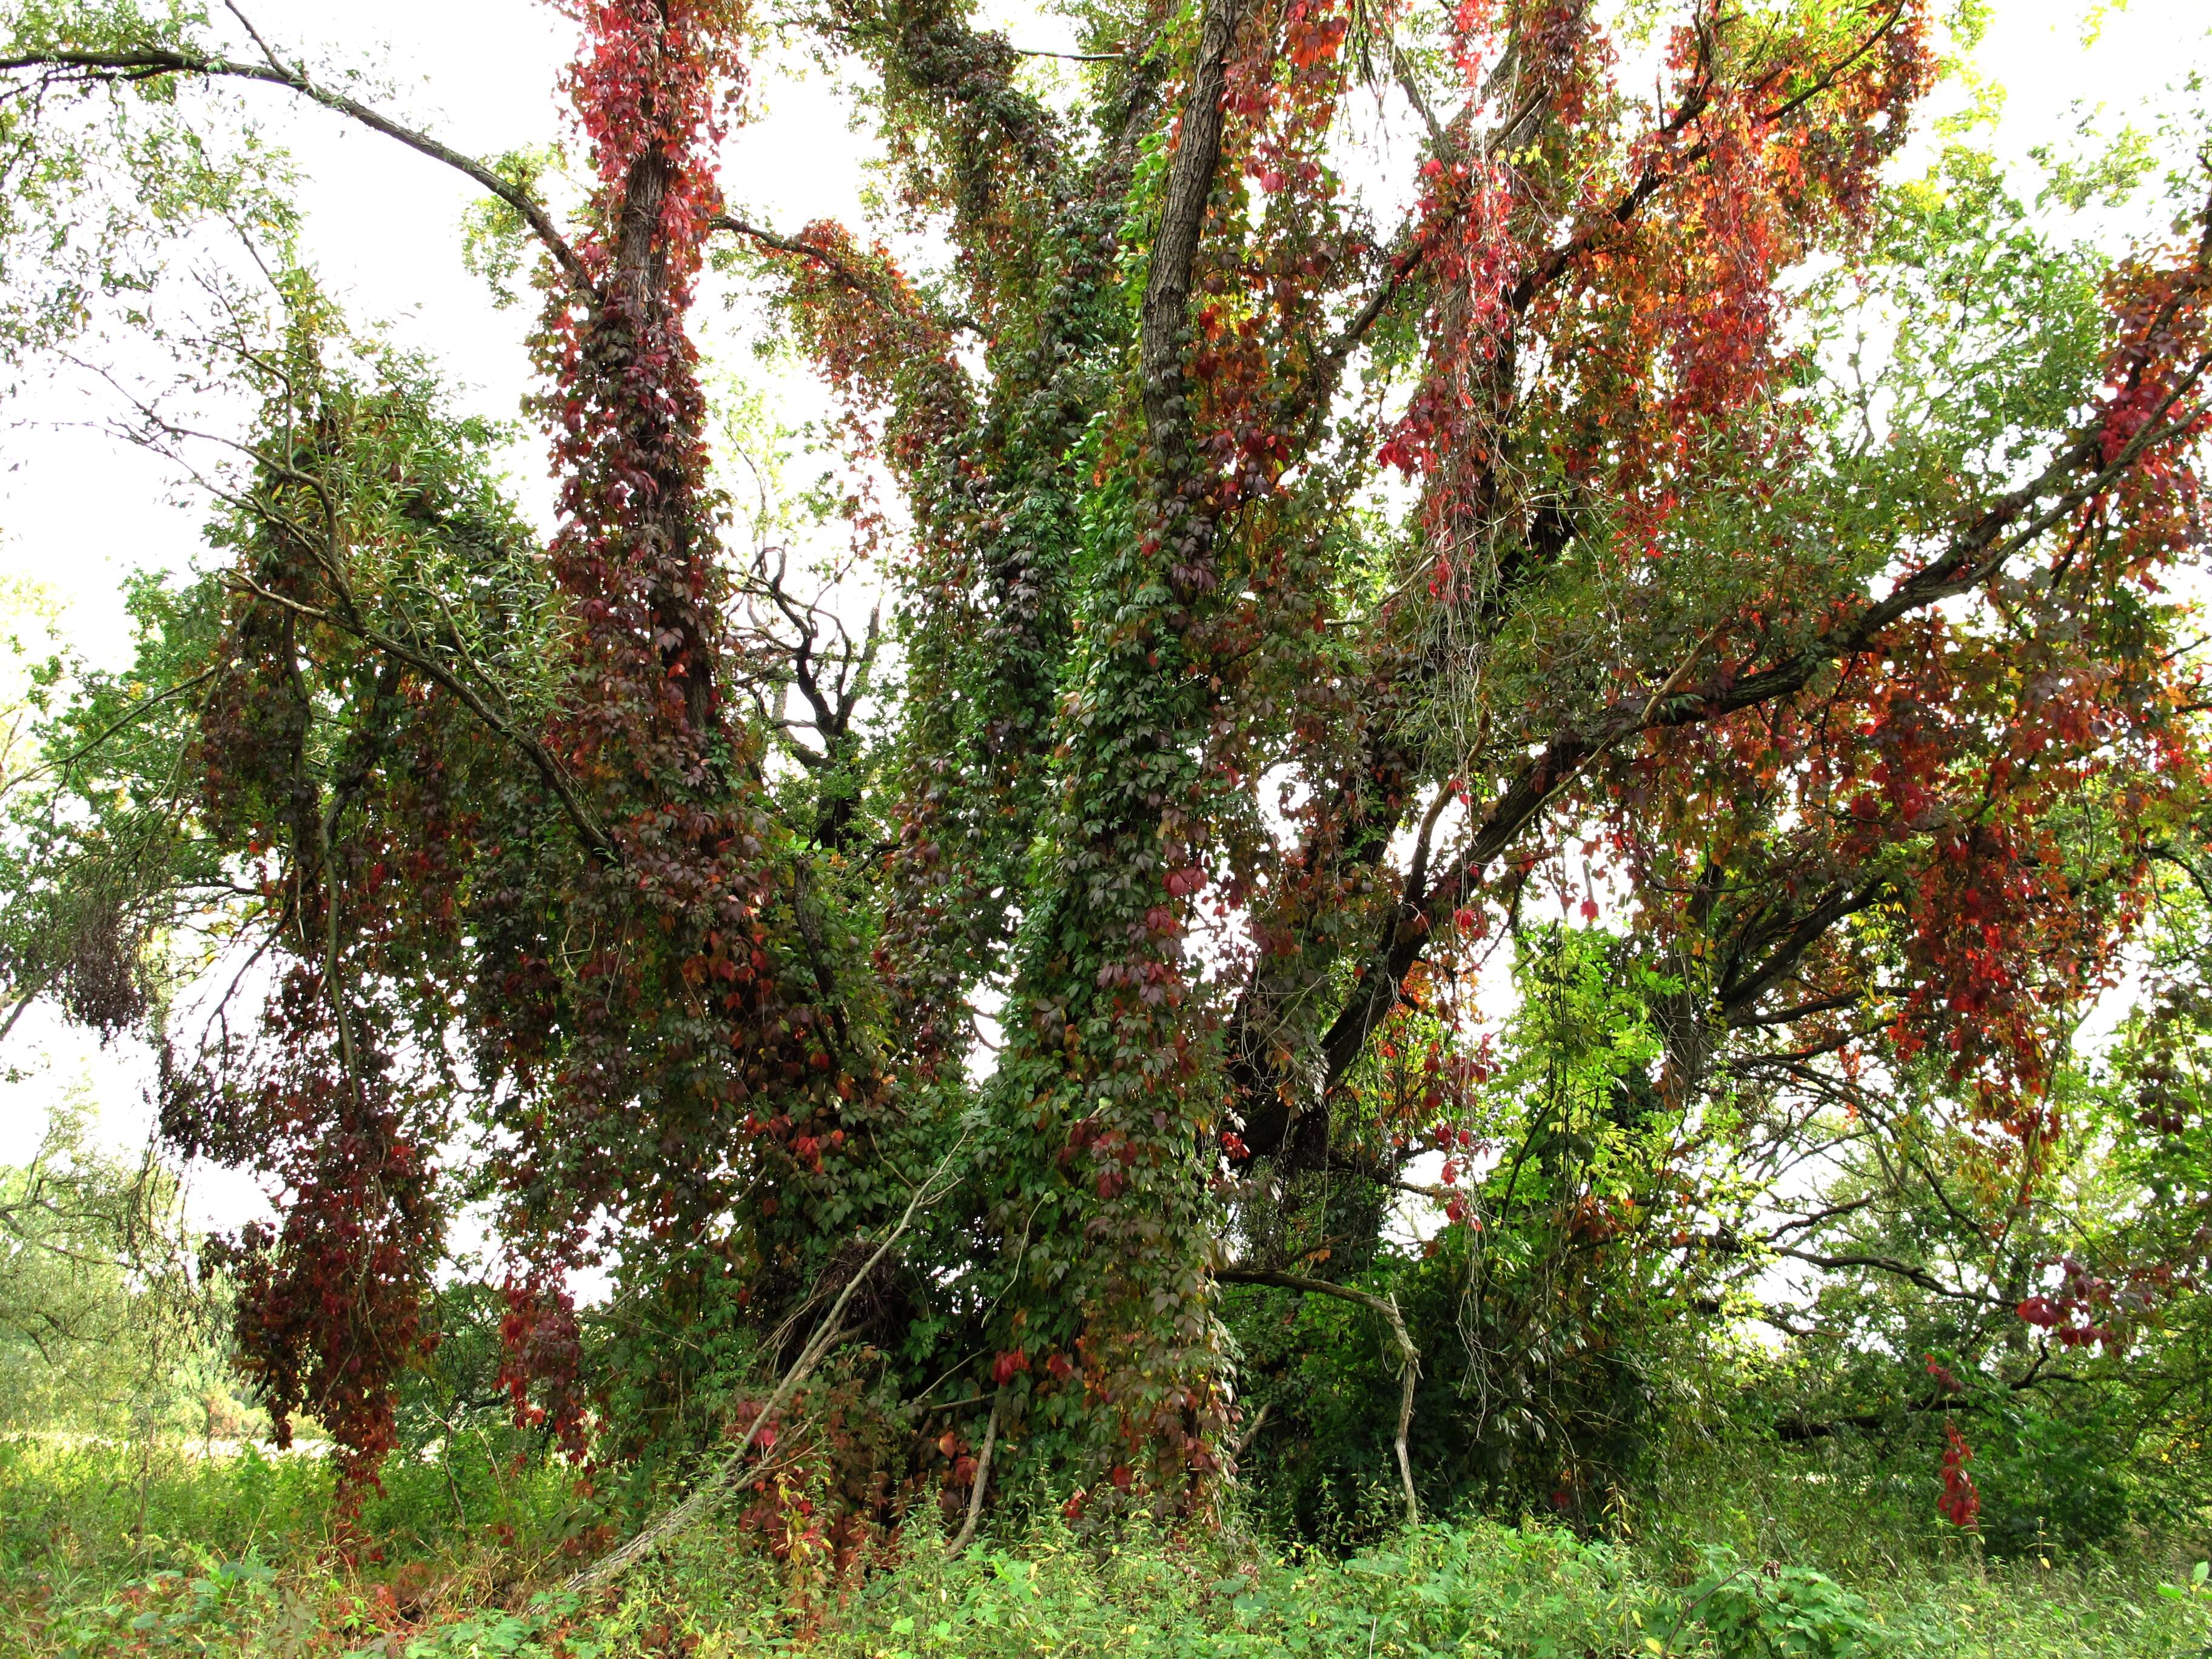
(103, 1554)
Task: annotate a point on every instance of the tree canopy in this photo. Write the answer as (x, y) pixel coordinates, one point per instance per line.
(1633, 535)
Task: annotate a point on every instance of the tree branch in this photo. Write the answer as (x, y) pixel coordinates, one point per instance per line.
(827, 1335)
(1409, 1357)
(595, 836)
(975, 1488)
(147, 63)
(1980, 548)
(1663, 167)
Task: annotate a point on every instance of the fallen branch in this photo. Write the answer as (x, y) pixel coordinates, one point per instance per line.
(1409, 1369)
(827, 1335)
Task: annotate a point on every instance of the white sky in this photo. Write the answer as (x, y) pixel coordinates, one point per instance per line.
(78, 510)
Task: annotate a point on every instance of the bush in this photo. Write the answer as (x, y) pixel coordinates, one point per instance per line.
(1774, 1612)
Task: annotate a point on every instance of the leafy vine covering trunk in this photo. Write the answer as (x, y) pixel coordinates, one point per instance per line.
(1292, 592)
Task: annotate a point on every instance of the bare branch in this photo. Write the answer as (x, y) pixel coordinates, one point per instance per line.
(975, 1488)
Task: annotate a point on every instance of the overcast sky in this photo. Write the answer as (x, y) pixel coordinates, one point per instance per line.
(78, 511)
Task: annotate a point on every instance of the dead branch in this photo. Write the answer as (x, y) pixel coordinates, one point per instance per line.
(1236, 1448)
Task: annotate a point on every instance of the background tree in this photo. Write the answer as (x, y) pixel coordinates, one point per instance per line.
(108, 1326)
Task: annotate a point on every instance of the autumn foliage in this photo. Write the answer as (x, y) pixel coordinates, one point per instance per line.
(1300, 582)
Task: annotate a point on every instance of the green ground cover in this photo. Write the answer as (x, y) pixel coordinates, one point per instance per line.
(105, 1552)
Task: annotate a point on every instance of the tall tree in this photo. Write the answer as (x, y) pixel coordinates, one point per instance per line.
(1288, 599)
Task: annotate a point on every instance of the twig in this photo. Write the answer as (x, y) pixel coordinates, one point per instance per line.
(24, 999)
(145, 64)
(1684, 1617)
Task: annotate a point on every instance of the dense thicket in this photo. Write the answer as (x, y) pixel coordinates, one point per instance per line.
(1649, 545)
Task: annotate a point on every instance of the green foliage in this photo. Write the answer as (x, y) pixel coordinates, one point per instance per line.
(78, 1520)
(204, 1612)
(1774, 535)
(2070, 1325)
(682, 1356)
(1561, 1331)
(1774, 1612)
(98, 879)
(230, 1556)
(495, 241)
(104, 186)
(82, 1523)
(106, 1327)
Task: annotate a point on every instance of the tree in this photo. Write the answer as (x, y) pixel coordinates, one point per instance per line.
(1288, 601)
(104, 1325)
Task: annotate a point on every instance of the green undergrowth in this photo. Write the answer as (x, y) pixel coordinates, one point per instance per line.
(233, 1559)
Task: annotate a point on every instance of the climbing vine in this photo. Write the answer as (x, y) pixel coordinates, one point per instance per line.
(1298, 588)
